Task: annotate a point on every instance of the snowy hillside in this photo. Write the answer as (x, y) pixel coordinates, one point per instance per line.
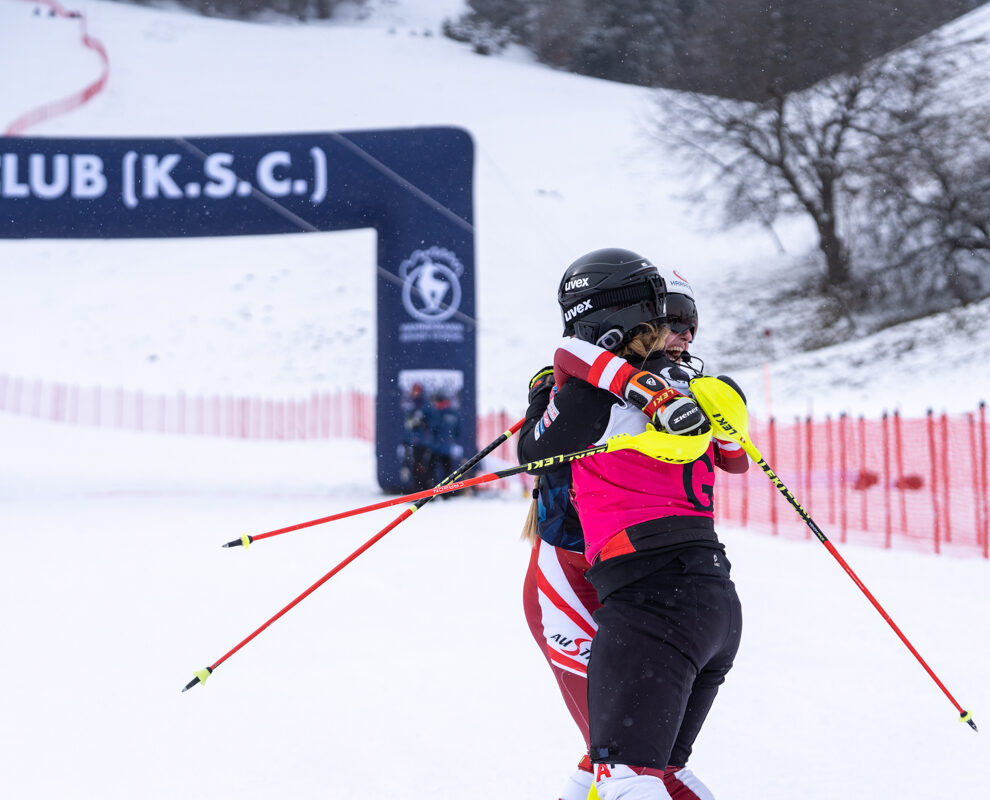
(563, 167)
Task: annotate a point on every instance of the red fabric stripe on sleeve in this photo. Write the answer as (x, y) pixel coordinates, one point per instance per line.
(618, 384)
(730, 453)
(733, 461)
(595, 373)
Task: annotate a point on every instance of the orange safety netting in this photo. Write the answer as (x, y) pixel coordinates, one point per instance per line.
(916, 483)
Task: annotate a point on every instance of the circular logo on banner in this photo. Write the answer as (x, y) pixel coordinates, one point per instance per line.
(431, 286)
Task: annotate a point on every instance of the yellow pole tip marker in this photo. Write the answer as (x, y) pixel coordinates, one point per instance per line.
(967, 717)
(201, 676)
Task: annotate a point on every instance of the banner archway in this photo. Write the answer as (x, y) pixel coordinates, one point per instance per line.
(413, 186)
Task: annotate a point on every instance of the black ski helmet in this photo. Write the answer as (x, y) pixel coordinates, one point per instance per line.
(606, 293)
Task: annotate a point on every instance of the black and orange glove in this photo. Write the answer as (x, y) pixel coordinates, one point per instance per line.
(667, 409)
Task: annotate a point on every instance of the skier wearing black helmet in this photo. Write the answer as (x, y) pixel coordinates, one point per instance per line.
(670, 621)
(606, 293)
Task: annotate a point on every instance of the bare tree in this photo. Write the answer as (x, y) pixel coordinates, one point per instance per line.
(732, 48)
(932, 180)
(887, 160)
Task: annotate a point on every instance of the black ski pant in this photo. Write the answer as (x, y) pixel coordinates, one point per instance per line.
(663, 647)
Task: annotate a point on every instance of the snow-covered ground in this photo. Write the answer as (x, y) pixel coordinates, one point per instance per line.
(410, 674)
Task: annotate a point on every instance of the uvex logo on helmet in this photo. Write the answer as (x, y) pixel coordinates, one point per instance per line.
(579, 309)
(577, 283)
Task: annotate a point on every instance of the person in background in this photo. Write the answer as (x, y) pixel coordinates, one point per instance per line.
(443, 419)
(669, 620)
(417, 442)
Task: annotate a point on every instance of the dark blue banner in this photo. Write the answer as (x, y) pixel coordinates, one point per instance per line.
(414, 186)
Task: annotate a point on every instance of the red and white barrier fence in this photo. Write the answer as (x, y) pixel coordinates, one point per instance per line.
(326, 415)
(918, 483)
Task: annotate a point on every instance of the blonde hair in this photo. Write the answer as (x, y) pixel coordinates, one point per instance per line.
(650, 339)
(531, 528)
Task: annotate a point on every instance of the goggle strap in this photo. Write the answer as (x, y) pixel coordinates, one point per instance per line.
(624, 295)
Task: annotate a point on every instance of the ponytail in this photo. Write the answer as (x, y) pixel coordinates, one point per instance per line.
(531, 529)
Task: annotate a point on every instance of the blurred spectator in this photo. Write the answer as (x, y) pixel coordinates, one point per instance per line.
(444, 422)
(417, 442)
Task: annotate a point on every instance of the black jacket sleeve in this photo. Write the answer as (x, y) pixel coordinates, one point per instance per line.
(562, 421)
(540, 387)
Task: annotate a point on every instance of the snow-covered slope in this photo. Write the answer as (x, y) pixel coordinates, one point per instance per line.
(563, 166)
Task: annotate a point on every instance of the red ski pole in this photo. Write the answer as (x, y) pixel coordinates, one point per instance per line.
(727, 412)
(656, 444)
(421, 498)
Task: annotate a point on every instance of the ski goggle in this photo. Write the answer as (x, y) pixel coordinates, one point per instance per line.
(679, 313)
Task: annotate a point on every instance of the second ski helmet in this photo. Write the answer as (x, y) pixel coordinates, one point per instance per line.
(678, 312)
